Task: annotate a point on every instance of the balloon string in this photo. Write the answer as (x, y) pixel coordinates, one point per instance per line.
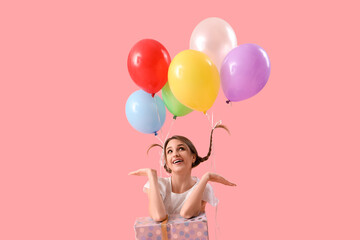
(211, 122)
(157, 110)
(213, 148)
(213, 161)
(162, 159)
(162, 143)
(217, 228)
(156, 135)
(158, 115)
(213, 166)
(160, 162)
(212, 119)
(208, 118)
(171, 126)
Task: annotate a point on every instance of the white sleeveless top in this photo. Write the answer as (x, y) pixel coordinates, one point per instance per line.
(174, 201)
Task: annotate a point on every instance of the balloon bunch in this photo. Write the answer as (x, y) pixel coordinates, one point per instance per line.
(191, 81)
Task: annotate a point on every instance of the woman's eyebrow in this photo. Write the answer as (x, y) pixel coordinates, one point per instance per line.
(177, 146)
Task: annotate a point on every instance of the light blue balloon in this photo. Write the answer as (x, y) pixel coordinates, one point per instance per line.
(145, 113)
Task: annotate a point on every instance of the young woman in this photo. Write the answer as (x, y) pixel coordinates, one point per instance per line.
(180, 193)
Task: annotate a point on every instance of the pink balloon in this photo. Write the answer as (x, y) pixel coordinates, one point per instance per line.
(214, 37)
(244, 72)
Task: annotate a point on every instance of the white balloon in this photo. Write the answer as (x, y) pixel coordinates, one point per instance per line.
(214, 37)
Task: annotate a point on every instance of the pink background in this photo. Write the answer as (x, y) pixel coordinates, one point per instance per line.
(66, 146)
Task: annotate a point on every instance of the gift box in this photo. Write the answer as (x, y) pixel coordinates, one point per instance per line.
(174, 228)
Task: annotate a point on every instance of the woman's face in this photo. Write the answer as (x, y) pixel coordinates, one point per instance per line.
(178, 156)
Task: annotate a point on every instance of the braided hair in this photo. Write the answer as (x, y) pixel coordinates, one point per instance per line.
(190, 145)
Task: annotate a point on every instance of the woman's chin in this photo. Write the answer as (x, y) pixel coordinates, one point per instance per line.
(180, 169)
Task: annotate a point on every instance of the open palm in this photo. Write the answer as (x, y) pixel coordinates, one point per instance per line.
(213, 177)
(142, 172)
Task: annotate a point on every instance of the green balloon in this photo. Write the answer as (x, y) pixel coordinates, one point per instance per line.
(172, 104)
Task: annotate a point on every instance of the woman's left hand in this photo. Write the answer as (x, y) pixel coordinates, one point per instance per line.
(213, 177)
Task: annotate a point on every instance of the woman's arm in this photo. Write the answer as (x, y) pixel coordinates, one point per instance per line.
(156, 205)
(193, 206)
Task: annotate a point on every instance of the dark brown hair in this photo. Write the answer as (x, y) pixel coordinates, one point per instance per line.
(190, 145)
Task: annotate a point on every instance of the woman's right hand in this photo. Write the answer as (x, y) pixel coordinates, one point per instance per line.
(156, 205)
(143, 172)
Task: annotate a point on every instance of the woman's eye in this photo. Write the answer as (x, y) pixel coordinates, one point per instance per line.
(181, 148)
(169, 151)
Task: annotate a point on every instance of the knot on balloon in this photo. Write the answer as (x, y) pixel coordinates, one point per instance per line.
(228, 101)
(174, 117)
(155, 133)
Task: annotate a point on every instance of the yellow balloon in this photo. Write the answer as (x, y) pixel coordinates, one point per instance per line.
(194, 80)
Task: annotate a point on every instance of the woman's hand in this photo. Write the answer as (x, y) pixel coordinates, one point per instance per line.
(213, 177)
(143, 172)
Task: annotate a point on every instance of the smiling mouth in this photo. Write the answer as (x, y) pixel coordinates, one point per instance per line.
(177, 161)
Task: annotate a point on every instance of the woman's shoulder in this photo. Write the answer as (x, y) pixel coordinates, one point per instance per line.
(164, 180)
(195, 178)
(208, 187)
(161, 180)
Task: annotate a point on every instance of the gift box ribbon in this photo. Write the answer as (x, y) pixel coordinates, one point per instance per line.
(164, 229)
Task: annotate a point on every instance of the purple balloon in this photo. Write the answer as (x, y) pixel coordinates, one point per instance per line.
(244, 72)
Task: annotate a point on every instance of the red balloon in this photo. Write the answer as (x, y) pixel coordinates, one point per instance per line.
(148, 64)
